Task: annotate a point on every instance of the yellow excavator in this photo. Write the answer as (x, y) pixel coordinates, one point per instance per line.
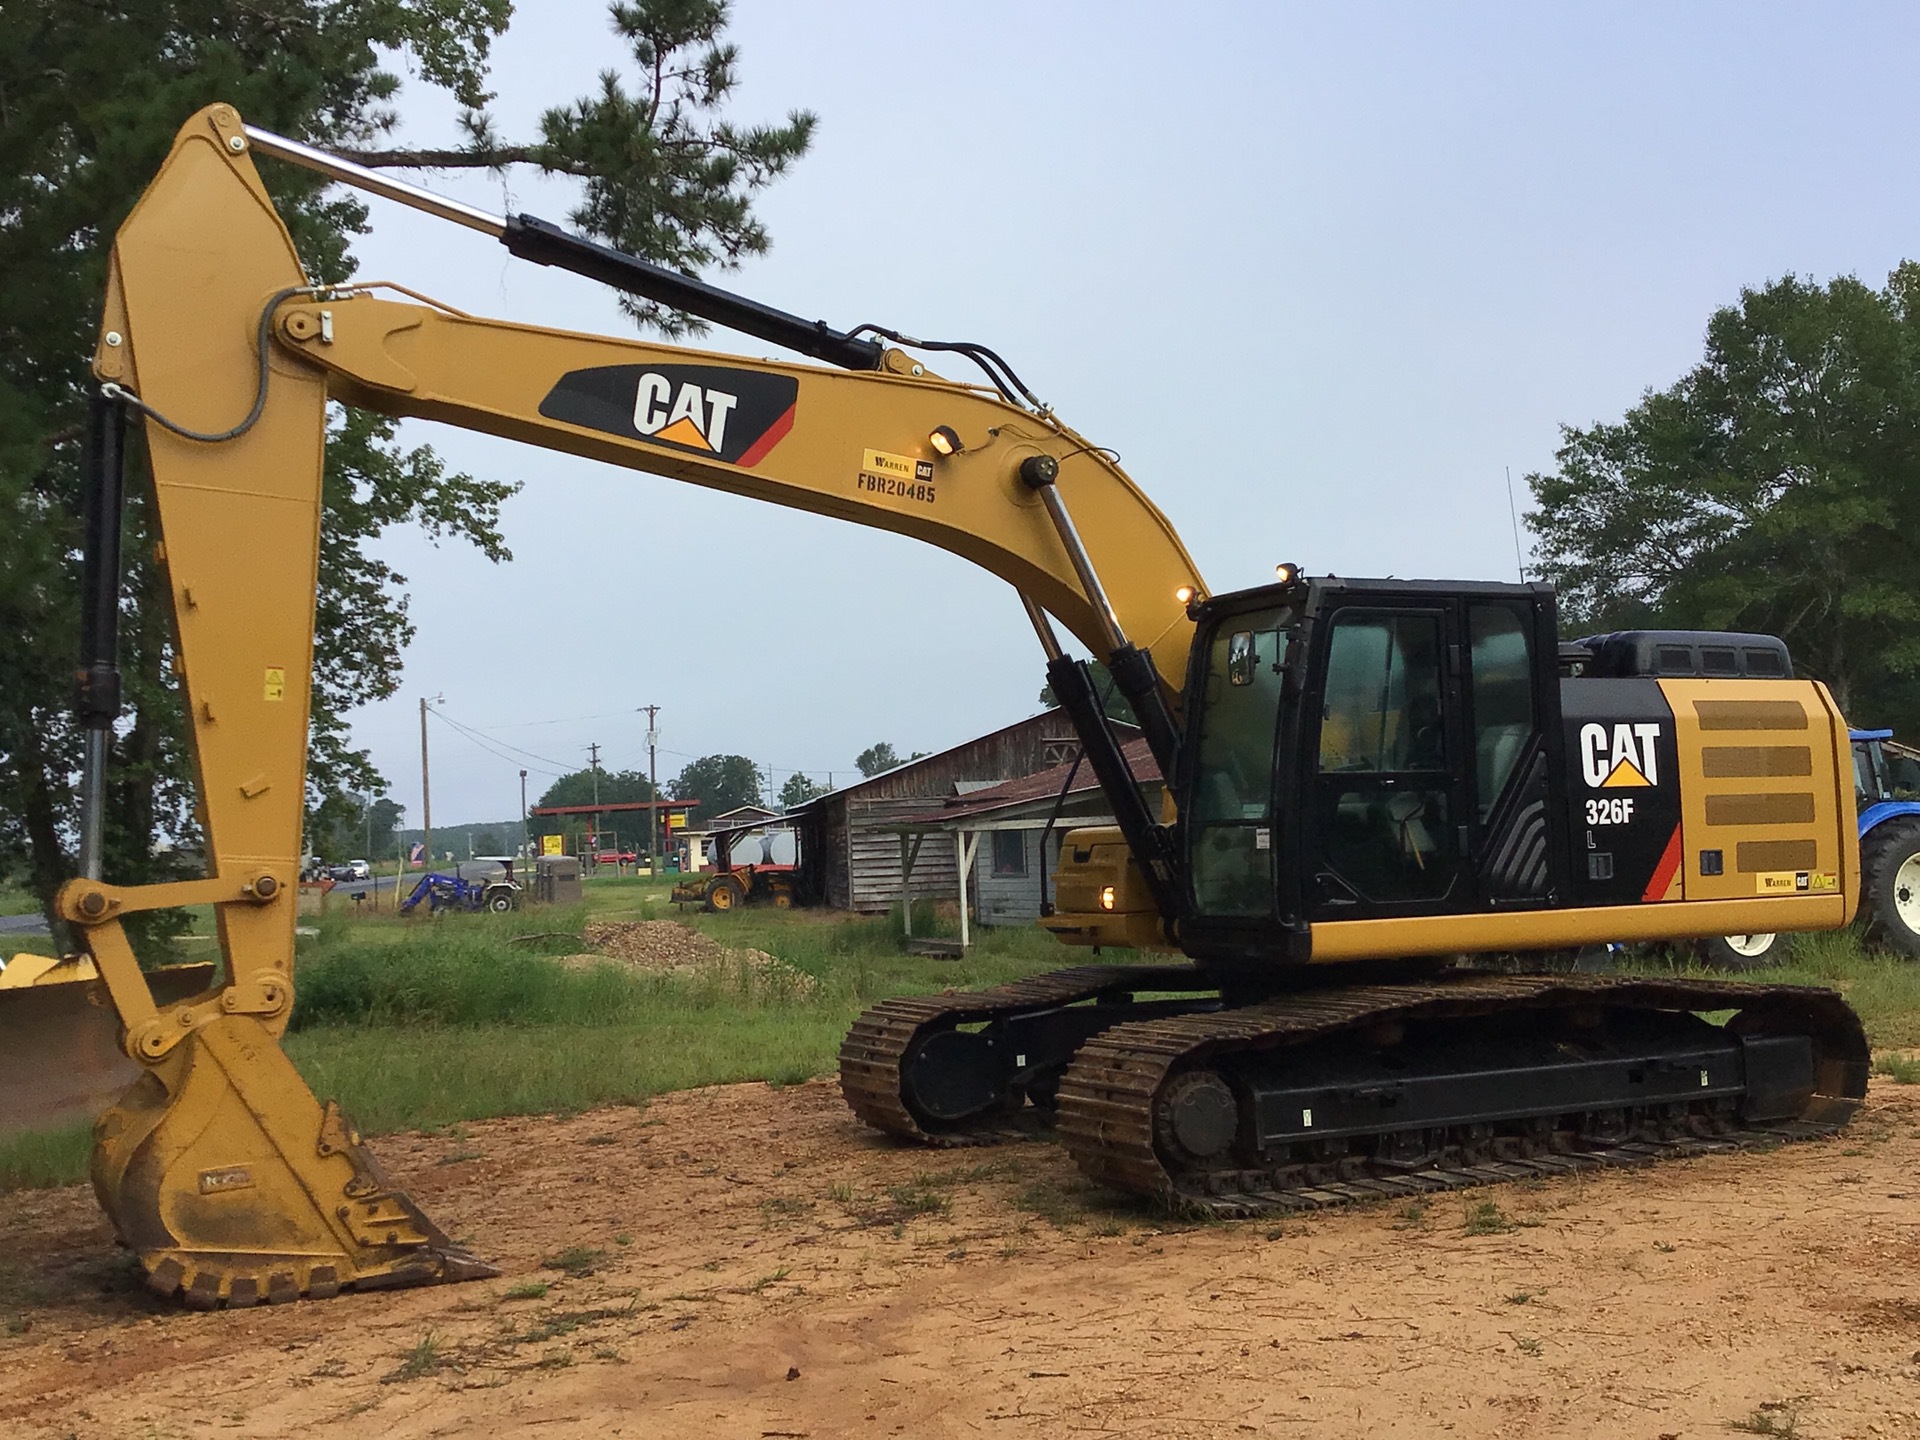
(1364, 778)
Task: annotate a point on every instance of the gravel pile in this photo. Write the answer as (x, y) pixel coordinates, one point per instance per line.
(667, 947)
(652, 944)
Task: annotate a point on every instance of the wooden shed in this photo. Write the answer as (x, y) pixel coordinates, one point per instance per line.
(851, 860)
(1008, 837)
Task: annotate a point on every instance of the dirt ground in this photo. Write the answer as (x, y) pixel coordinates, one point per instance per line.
(746, 1262)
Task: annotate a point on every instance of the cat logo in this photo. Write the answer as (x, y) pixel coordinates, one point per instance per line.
(714, 411)
(697, 418)
(1626, 756)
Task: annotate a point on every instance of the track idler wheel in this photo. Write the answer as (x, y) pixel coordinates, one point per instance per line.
(235, 1186)
(1199, 1116)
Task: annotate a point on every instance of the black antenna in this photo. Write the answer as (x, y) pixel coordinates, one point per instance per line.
(1513, 512)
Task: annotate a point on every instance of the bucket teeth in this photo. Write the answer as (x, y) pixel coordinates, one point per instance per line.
(203, 1284)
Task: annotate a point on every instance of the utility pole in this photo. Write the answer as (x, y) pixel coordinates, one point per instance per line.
(593, 751)
(653, 784)
(525, 838)
(426, 790)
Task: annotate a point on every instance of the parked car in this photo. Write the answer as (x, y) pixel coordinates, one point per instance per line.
(615, 857)
(361, 870)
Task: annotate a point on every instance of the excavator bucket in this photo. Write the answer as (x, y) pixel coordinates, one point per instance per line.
(235, 1186)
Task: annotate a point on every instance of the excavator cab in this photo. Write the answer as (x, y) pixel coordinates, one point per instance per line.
(1364, 750)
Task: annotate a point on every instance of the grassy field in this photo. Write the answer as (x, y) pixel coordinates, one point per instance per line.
(17, 900)
(425, 1022)
(428, 1022)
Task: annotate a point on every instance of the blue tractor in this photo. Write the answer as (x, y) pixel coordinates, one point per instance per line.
(1886, 784)
(495, 891)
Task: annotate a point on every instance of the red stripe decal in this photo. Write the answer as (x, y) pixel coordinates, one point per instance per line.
(776, 432)
(1664, 872)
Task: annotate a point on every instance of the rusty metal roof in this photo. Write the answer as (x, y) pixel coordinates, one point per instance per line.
(1042, 785)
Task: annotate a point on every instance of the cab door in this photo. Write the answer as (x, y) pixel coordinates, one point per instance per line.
(1389, 808)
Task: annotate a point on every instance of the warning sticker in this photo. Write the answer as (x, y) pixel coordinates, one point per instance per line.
(276, 686)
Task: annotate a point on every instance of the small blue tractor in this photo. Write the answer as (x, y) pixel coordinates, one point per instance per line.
(1886, 782)
(496, 892)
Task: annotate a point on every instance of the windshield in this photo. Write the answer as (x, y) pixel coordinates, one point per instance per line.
(1231, 803)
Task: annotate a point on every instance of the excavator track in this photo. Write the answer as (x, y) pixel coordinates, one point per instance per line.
(879, 1051)
(1120, 1102)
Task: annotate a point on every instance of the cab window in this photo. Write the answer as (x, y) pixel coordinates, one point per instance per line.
(1385, 829)
(1502, 699)
(1231, 808)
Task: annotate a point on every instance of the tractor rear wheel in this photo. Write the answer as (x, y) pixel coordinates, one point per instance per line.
(1890, 874)
(1743, 952)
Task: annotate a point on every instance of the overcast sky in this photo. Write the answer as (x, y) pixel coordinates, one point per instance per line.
(1321, 274)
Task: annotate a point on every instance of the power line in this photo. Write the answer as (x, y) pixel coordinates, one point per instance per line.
(487, 746)
(472, 734)
(560, 768)
(564, 720)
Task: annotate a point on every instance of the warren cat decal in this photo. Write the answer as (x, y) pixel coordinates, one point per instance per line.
(895, 477)
(713, 411)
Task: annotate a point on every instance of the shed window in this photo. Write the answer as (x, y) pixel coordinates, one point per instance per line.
(1009, 852)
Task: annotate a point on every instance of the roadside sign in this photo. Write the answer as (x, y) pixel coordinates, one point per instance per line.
(551, 844)
(417, 855)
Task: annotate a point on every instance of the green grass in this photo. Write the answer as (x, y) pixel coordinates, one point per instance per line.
(1884, 988)
(403, 1079)
(578, 1261)
(16, 899)
(51, 1157)
(422, 1360)
(425, 1022)
(1485, 1217)
(1901, 1069)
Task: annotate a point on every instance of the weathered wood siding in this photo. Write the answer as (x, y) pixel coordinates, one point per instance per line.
(875, 871)
(1012, 899)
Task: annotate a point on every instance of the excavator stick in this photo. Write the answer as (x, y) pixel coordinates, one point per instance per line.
(219, 1167)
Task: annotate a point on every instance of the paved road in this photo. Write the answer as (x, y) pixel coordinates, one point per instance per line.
(367, 890)
(28, 927)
